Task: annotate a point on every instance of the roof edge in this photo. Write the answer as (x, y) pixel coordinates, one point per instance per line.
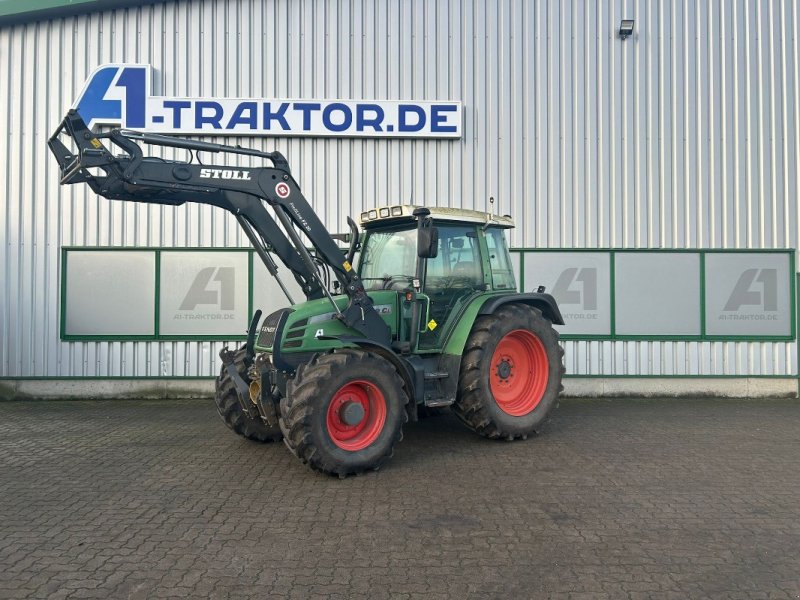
(14, 12)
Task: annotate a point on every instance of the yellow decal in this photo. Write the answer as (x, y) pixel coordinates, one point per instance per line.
(347, 266)
(432, 324)
(96, 143)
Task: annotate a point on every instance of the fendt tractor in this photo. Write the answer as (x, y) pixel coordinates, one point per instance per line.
(429, 317)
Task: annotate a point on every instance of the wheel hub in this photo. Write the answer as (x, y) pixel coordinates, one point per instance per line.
(519, 374)
(352, 413)
(504, 369)
(356, 415)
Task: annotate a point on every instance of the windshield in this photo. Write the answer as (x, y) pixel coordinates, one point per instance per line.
(389, 257)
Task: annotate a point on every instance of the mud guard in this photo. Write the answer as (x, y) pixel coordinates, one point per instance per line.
(544, 302)
(413, 378)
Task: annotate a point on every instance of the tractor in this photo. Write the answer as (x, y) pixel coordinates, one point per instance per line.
(418, 311)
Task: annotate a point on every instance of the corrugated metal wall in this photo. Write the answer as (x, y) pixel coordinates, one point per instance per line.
(686, 135)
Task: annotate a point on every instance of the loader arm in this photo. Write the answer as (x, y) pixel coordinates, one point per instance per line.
(239, 190)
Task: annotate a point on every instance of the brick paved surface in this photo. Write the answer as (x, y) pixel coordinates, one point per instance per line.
(621, 499)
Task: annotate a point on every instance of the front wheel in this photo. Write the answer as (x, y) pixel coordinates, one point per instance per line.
(510, 373)
(343, 412)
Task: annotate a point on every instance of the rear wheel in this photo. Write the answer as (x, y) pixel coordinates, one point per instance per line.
(343, 412)
(510, 373)
(231, 411)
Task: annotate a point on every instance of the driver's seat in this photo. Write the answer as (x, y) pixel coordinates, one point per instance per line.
(467, 269)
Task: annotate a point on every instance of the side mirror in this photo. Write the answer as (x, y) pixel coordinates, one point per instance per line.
(353, 238)
(428, 242)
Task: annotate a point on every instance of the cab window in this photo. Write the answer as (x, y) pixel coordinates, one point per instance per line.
(500, 261)
(458, 262)
(389, 259)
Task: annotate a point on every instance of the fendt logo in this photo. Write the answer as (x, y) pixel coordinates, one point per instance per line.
(119, 95)
(577, 286)
(755, 288)
(212, 287)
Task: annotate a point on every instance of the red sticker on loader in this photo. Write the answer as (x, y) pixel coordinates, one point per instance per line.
(282, 189)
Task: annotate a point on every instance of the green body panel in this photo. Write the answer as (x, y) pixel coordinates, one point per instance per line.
(458, 337)
(299, 334)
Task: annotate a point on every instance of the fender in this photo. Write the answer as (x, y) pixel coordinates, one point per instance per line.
(488, 305)
(544, 302)
(412, 379)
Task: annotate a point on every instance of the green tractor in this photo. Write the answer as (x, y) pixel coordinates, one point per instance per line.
(428, 317)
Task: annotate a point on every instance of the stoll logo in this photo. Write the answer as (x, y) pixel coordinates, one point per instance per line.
(213, 288)
(119, 95)
(754, 288)
(578, 286)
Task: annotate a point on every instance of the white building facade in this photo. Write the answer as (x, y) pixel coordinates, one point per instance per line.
(684, 135)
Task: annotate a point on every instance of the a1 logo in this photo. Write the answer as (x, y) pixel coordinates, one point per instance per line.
(116, 95)
(224, 296)
(577, 286)
(748, 292)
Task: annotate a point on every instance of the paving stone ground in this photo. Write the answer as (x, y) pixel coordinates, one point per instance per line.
(617, 499)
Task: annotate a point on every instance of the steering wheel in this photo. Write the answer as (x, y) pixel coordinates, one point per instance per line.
(391, 281)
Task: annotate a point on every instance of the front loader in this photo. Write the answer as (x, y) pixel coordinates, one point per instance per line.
(429, 317)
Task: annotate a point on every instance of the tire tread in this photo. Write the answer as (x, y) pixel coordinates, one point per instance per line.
(298, 409)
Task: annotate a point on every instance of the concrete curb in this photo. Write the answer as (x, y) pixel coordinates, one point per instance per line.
(677, 387)
(105, 389)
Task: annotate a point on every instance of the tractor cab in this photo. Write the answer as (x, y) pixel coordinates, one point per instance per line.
(467, 257)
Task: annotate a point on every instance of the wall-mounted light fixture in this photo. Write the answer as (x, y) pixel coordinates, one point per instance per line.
(625, 28)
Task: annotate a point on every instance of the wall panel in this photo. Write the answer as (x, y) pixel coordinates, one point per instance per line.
(686, 135)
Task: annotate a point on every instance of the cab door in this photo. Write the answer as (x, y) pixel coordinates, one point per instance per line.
(452, 280)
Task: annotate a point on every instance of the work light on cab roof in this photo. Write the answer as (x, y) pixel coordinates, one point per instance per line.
(438, 213)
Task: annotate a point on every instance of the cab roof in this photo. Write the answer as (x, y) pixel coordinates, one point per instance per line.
(400, 213)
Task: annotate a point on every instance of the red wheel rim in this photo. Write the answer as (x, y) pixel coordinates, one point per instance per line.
(518, 372)
(354, 399)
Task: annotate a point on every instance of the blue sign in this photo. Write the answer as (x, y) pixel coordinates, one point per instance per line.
(119, 95)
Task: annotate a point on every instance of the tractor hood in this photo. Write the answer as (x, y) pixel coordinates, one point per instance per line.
(298, 329)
